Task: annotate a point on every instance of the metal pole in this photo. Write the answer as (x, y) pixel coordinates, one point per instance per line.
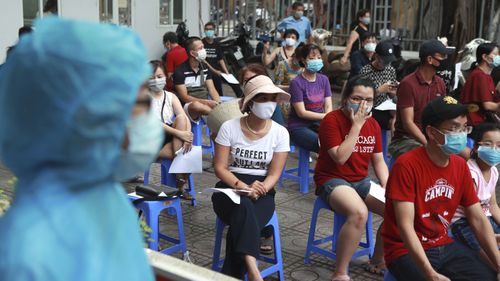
(328, 26)
(335, 5)
(420, 20)
(481, 19)
(386, 13)
(254, 18)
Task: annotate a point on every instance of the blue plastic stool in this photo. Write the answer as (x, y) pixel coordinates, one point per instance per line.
(388, 276)
(367, 247)
(277, 261)
(197, 130)
(169, 179)
(152, 210)
(385, 145)
(300, 174)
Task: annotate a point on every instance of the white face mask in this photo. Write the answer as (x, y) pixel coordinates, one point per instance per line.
(202, 55)
(290, 41)
(157, 85)
(263, 110)
(370, 47)
(145, 134)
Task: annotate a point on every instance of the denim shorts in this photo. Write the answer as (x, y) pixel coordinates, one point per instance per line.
(462, 232)
(362, 187)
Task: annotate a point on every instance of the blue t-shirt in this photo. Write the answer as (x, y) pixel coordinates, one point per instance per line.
(312, 94)
(302, 26)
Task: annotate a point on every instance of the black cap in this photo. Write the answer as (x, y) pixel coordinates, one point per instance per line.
(385, 51)
(430, 47)
(444, 108)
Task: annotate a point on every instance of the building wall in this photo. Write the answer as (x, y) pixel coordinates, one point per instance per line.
(11, 19)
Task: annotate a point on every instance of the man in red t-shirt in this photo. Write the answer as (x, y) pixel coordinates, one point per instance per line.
(424, 189)
(414, 92)
(175, 56)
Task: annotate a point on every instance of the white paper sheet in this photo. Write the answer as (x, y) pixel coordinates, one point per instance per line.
(386, 105)
(188, 163)
(458, 72)
(235, 197)
(230, 78)
(377, 191)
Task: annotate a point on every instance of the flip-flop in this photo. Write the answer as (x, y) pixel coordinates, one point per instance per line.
(266, 246)
(378, 269)
(344, 277)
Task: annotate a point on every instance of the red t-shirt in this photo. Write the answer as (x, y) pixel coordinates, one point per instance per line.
(435, 191)
(176, 56)
(333, 130)
(414, 91)
(478, 88)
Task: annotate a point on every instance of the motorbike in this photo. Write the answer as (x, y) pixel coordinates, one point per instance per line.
(182, 33)
(237, 49)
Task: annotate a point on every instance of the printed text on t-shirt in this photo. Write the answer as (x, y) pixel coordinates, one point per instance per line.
(364, 141)
(249, 159)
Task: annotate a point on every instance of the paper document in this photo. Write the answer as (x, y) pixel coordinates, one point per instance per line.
(235, 197)
(187, 163)
(230, 78)
(386, 105)
(377, 191)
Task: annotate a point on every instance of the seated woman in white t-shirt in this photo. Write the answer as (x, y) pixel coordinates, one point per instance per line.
(250, 153)
(178, 135)
(482, 164)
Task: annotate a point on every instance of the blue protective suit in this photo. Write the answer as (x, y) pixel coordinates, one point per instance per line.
(66, 93)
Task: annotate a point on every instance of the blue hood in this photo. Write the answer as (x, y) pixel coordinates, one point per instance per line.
(66, 92)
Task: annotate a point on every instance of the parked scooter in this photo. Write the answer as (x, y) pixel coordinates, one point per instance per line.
(237, 49)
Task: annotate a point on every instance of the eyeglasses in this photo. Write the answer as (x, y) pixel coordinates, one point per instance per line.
(489, 144)
(456, 129)
(356, 99)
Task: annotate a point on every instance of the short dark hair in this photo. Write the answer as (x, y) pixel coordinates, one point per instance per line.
(361, 13)
(297, 4)
(190, 43)
(291, 31)
(257, 68)
(210, 23)
(303, 50)
(24, 29)
(479, 131)
(170, 37)
(155, 64)
(482, 49)
(367, 35)
(355, 81)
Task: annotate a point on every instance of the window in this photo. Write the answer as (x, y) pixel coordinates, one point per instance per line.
(171, 12)
(122, 15)
(38, 8)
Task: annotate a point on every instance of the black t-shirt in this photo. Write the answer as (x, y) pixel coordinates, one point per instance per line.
(184, 75)
(214, 53)
(357, 44)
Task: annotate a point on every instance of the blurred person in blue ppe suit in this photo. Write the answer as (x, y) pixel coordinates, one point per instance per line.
(67, 132)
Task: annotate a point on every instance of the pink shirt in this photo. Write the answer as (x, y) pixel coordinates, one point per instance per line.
(484, 189)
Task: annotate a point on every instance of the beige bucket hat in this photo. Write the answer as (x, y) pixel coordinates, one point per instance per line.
(261, 84)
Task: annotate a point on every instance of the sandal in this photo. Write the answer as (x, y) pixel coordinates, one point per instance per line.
(266, 246)
(136, 179)
(181, 184)
(378, 269)
(344, 277)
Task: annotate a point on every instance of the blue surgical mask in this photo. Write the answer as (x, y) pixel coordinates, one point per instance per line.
(210, 33)
(366, 21)
(355, 107)
(489, 155)
(496, 61)
(298, 15)
(315, 65)
(145, 134)
(454, 143)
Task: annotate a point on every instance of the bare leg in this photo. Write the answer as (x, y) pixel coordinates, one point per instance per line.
(196, 109)
(347, 202)
(377, 207)
(252, 269)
